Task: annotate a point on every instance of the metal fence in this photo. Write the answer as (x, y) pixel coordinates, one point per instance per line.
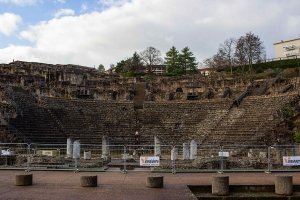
(172, 158)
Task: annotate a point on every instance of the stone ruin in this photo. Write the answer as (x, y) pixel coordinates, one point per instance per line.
(44, 103)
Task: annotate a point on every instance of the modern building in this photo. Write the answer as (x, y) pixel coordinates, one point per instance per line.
(205, 71)
(287, 48)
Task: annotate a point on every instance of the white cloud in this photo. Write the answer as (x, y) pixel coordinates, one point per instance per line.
(13, 52)
(116, 32)
(64, 12)
(110, 3)
(20, 2)
(61, 1)
(84, 7)
(9, 23)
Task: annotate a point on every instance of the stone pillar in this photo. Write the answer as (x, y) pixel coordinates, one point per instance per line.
(87, 155)
(157, 150)
(76, 149)
(174, 153)
(185, 151)
(88, 181)
(155, 181)
(193, 150)
(69, 148)
(23, 180)
(105, 147)
(284, 185)
(220, 185)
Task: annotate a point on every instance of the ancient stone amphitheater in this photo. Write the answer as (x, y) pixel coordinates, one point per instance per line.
(43, 103)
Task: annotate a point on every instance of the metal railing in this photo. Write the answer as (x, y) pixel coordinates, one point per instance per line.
(172, 158)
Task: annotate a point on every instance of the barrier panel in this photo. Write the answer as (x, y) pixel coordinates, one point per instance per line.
(200, 158)
(148, 157)
(221, 158)
(188, 157)
(244, 158)
(76, 156)
(49, 156)
(284, 158)
(14, 155)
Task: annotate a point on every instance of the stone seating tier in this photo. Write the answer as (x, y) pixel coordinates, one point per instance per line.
(53, 120)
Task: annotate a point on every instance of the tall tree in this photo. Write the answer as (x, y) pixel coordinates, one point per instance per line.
(172, 61)
(151, 56)
(136, 63)
(252, 47)
(101, 68)
(123, 66)
(187, 61)
(226, 50)
(216, 62)
(240, 54)
(132, 64)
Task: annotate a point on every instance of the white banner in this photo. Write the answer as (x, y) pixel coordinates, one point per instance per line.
(291, 160)
(223, 154)
(152, 161)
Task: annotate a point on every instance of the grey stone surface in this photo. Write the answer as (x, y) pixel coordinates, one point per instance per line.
(87, 155)
(220, 185)
(185, 151)
(105, 147)
(155, 181)
(76, 149)
(157, 147)
(23, 179)
(193, 150)
(174, 153)
(88, 181)
(69, 148)
(284, 184)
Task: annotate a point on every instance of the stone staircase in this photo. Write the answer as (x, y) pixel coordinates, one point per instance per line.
(139, 97)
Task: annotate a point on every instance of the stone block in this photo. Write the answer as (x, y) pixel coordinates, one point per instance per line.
(284, 185)
(155, 182)
(220, 185)
(23, 179)
(88, 181)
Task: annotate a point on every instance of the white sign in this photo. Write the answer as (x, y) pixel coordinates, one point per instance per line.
(47, 152)
(6, 152)
(291, 160)
(223, 154)
(151, 161)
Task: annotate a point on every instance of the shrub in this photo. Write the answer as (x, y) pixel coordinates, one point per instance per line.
(297, 136)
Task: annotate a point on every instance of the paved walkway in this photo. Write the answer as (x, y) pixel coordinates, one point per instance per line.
(56, 185)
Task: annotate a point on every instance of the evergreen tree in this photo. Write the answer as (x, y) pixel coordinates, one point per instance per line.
(131, 65)
(136, 62)
(172, 61)
(101, 68)
(187, 61)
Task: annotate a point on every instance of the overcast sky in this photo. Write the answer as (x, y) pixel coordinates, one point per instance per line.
(94, 32)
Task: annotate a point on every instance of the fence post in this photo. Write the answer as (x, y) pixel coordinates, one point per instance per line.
(222, 163)
(124, 160)
(269, 160)
(173, 160)
(76, 165)
(28, 158)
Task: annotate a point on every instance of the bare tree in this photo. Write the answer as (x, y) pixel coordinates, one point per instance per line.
(217, 61)
(226, 50)
(151, 56)
(224, 57)
(240, 55)
(252, 47)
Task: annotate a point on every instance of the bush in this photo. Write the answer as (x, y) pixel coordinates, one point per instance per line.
(290, 73)
(297, 136)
